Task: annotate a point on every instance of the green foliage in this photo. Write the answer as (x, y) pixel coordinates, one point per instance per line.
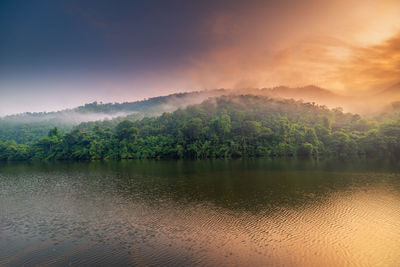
(234, 126)
(27, 128)
(305, 150)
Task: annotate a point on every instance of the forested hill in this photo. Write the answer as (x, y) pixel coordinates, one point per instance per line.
(25, 128)
(227, 126)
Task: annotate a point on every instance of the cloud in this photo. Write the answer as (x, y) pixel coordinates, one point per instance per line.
(340, 45)
(348, 46)
(373, 68)
(127, 51)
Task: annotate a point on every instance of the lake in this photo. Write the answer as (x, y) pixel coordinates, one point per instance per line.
(200, 213)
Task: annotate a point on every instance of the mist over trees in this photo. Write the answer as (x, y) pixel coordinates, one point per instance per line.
(27, 127)
(222, 127)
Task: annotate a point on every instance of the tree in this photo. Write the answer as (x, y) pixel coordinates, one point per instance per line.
(53, 132)
(305, 150)
(192, 128)
(230, 126)
(126, 130)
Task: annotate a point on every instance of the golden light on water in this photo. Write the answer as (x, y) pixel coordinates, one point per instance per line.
(223, 217)
(343, 230)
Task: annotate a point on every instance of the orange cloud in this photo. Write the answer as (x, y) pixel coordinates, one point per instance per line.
(340, 45)
(374, 68)
(348, 46)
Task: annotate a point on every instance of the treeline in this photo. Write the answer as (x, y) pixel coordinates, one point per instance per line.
(224, 127)
(28, 127)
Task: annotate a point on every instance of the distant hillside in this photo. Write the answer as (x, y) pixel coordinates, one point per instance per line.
(20, 127)
(307, 94)
(100, 111)
(222, 127)
(390, 112)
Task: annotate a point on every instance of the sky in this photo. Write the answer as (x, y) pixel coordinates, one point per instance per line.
(62, 54)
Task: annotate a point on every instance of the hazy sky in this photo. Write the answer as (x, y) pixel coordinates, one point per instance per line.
(59, 54)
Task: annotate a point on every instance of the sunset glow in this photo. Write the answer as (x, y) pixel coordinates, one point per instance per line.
(348, 47)
(200, 133)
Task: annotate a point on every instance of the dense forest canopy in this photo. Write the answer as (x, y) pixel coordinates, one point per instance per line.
(221, 127)
(27, 127)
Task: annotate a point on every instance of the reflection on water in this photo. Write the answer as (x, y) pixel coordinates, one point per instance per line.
(213, 213)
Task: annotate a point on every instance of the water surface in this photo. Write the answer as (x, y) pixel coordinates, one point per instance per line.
(207, 213)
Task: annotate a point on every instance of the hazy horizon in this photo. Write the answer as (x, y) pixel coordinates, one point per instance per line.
(58, 55)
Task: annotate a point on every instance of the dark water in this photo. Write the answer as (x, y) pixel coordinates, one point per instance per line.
(200, 213)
